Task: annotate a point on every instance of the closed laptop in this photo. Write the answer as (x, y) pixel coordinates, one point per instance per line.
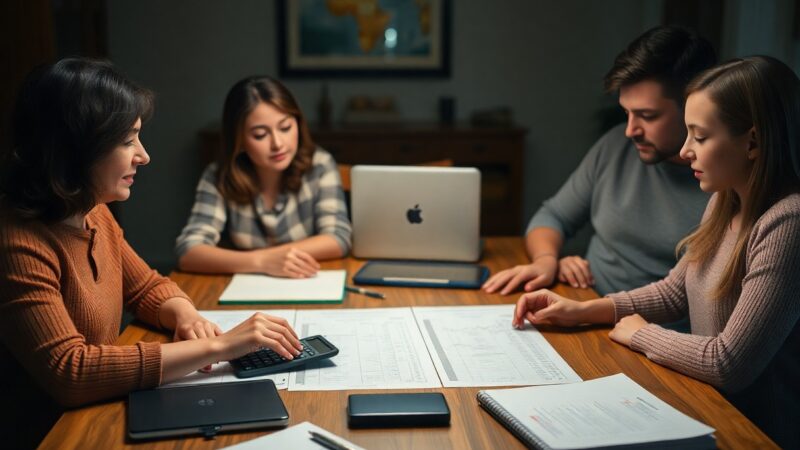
(418, 213)
(205, 409)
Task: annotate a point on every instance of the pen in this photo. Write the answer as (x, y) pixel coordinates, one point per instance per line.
(327, 442)
(363, 291)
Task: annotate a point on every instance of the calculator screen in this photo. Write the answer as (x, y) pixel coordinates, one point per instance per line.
(318, 345)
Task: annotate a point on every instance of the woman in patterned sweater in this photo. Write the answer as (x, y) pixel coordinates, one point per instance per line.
(274, 196)
(738, 280)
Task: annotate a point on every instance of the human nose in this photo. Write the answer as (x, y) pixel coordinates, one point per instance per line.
(633, 127)
(277, 141)
(141, 158)
(686, 152)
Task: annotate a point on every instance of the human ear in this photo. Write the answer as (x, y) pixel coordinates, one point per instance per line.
(753, 151)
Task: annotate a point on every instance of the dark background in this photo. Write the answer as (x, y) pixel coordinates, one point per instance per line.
(543, 59)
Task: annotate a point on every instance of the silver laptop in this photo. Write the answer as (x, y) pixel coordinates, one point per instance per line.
(411, 212)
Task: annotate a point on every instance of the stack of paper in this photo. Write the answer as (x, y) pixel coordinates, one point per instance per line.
(411, 348)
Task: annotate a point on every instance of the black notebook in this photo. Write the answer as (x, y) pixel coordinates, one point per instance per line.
(205, 409)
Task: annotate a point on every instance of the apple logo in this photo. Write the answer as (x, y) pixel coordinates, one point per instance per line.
(414, 215)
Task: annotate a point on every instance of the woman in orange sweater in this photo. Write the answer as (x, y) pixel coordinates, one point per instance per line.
(66, 271)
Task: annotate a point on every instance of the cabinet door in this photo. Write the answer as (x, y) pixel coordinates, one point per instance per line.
(390, 151)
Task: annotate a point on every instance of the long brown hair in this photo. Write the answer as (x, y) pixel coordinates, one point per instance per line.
(761, 93)
(236, 177)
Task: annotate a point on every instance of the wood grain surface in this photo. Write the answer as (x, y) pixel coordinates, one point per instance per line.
(588, 350)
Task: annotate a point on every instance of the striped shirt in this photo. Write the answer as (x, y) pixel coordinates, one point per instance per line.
(317, 208)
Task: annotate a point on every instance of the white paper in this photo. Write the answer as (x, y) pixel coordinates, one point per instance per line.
(379, 348)
(612, 410)
(223, 372)
(477, 346)
(295, 438)
(325, 286)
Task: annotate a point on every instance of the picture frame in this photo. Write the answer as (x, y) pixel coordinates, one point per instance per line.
(363, 38)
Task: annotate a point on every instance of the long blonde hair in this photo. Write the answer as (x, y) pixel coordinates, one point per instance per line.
(761, 93)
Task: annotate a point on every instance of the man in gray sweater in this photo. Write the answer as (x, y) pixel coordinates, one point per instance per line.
(633, 187)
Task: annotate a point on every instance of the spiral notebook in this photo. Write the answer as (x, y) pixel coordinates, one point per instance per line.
(610, 412)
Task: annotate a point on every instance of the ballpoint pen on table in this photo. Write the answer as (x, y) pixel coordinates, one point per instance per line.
(327, 442)
(363, 291)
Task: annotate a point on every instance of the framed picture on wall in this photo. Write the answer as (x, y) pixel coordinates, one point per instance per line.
(363, 38)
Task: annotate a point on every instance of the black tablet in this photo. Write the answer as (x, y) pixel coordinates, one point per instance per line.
(422, 274)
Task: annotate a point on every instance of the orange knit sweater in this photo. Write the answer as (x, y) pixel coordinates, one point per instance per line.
(62, 291)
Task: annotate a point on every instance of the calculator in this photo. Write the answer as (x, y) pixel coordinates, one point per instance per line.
(266, 361)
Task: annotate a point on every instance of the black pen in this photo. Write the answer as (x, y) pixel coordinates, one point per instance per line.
(363, 291)
(327, 442)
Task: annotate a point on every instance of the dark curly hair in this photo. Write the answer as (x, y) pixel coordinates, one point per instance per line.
(236, 176)
(67, 117)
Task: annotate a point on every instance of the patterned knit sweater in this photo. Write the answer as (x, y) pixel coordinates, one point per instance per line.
(747, 346)
(62, 291)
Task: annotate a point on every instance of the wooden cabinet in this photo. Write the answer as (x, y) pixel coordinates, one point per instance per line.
(496, 152)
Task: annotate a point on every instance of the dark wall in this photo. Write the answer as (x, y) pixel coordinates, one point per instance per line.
(544, 59)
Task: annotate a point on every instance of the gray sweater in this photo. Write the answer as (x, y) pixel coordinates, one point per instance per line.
(747, 346)
(639, 212)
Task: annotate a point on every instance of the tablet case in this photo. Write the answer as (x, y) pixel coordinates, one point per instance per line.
(362, 276)
(206, 409)
(428, 409)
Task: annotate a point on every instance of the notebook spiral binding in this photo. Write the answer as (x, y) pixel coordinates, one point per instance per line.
(510, 422)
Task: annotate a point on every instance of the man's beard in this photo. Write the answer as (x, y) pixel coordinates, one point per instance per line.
(653, 154)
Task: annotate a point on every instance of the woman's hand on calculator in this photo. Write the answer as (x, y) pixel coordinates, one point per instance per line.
(259, 331)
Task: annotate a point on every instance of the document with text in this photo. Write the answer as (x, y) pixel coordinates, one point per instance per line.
(223, 372)
(608, 412)
(379, 348)
(477, 346)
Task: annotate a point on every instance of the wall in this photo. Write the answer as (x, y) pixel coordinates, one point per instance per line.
(544, 59)
(758, 27)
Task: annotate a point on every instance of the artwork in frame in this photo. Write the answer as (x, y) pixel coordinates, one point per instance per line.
(364, 38)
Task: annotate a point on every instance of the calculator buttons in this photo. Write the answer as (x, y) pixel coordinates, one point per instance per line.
(265, 360)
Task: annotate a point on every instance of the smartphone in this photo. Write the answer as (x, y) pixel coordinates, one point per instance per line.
(423, 409)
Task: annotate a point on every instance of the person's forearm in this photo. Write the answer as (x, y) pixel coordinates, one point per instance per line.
(212, 259)
(600, 310)
(183, 357)
(543, 242)
(172, 309)
(321, 247)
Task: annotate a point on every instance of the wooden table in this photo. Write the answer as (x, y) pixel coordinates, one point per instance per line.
(588, 350)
